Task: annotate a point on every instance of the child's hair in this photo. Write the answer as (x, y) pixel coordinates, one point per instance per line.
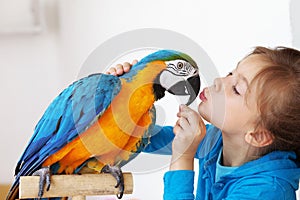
(278, 88)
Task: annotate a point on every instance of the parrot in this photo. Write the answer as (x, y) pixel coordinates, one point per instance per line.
(101, 122)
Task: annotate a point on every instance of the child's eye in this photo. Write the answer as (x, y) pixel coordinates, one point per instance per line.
(235, 90)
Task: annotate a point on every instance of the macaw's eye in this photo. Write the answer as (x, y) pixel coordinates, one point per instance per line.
(180, 65)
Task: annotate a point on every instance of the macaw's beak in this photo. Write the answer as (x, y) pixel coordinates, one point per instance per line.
(190, 87)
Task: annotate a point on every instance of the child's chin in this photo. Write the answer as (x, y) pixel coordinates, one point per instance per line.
(204, 115)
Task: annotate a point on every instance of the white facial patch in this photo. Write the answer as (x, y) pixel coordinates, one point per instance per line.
(181, 68)
(167, 79)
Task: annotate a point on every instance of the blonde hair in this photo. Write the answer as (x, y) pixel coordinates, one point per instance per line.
(278, 91)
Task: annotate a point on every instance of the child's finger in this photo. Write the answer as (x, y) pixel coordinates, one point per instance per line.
(112, 71)
(126, 66)
(119, 69)
(183, 123)
(185, 111)
(176, 128)
(134, 62)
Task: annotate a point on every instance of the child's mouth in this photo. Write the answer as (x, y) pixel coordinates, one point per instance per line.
(202, 95)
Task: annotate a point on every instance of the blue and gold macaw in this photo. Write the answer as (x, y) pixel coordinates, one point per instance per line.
(101, 122)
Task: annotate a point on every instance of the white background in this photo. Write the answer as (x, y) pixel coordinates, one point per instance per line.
(35, 67)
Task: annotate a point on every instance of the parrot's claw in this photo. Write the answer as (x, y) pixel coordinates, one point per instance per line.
(44, 174)
(116, 172)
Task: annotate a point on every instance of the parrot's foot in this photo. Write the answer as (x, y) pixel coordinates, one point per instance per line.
(116, 172)
(44, 174)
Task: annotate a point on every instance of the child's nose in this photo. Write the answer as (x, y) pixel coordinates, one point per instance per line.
(218, 84)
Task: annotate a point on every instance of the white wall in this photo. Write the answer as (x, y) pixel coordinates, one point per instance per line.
(34, 68)
(295, 21)
(29, 78)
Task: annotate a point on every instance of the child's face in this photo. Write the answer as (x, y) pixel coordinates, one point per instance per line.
(226, 105)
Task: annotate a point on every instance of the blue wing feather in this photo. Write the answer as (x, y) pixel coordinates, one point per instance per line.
(68, 115)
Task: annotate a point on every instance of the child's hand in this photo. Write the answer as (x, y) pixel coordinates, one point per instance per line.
(189, 130)
(120, 69)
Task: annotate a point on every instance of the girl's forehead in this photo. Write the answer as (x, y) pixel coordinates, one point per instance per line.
(250, 66)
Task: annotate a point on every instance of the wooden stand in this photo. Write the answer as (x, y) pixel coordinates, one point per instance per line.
(75, 186)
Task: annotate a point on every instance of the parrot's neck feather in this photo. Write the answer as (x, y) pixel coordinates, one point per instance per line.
(149, 74)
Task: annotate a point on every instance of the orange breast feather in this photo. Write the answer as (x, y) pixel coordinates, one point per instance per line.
(117, 131)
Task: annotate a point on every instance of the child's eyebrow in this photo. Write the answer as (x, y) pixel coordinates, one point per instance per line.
(241, 76)
(244, 79)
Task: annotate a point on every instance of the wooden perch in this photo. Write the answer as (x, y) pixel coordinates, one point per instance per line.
(77, 186)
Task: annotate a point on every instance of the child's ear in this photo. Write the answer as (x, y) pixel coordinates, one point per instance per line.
(259, 138)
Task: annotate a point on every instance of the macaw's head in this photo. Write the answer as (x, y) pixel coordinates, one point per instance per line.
(168, 70)
(180, 76)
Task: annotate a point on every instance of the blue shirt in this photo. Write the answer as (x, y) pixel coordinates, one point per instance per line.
(222, 170)
(273, 176)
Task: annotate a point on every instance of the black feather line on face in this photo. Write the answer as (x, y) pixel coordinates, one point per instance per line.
(158, 90)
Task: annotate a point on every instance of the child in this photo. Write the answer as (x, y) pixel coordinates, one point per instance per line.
(252, 148)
